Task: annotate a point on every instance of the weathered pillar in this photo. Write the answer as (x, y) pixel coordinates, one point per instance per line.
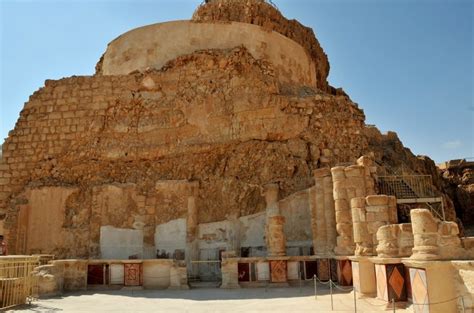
(344, 241)
(348, 183)
(274, 233)
(323, 223)
(425, 234)
(229, 270)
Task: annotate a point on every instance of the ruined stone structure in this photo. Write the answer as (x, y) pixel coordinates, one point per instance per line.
(214, 140)
(368, 215)
(395, 241)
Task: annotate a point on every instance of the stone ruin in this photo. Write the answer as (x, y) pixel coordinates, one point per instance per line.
(214, 139)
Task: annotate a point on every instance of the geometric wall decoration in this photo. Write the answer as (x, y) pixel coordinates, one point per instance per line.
(344, 272)
(355, 276)
(116, 274)
(132, 274)
(323, 269)
(419, 288)
(391, 282)
(293, 270)
(408, 283)
(381, 276)
(263, 271)
(396, 282)
(278, 271)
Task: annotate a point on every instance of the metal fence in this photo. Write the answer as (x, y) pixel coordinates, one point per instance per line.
(407, 186)
(17, 284)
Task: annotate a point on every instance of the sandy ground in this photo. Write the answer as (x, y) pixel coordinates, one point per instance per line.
(206, 300)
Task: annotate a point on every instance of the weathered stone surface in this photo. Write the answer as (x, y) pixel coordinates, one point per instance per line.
(111, 146)
(435, 239)
(261, 13)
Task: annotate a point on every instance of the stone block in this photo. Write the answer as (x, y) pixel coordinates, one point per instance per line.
(377, 200)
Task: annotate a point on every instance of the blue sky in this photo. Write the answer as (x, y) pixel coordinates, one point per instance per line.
(407, 63)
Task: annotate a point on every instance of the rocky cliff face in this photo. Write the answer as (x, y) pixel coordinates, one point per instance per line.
(459, 185)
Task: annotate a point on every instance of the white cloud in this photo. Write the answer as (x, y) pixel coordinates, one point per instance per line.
(454, 144)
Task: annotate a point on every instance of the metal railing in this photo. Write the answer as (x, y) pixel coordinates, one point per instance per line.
(17, 284)
(407, 186)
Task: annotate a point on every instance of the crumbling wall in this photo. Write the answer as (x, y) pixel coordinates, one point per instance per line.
(259, 12)
(216, 117)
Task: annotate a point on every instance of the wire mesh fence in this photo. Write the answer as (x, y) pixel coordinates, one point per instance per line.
(407, 186)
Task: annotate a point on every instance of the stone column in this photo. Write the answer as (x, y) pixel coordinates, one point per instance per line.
(274, 233)
(271, 198)
(362, 239)
(344, 241)
(425, 234)
(192, 248)
(348, 183)
(323, 223)
(229, 270)
(369, 174)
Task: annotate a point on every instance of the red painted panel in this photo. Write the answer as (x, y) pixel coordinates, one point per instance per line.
(132, 273)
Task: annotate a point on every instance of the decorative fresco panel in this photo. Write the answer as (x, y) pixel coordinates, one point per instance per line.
(344, 272)
(381, 276)
(419, 289)
(244, 271)
(293, 270)
(355, 276)
(323, 269)
(278, 271)
(263, 271)
(132, 274)
(396, 282)
(116, 274)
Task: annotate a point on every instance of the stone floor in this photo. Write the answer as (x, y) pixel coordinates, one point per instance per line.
(206, 300)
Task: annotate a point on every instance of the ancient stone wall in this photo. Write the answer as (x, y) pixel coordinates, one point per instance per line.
(152, 46)
(323, 220)
(261, 13)
(216, 117)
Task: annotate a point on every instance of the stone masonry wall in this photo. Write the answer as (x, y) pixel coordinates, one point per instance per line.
(217, 117)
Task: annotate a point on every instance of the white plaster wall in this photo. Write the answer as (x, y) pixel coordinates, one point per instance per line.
(171, 236)
(295, 208)
(263, 271)
(215, 235)
(120, 243)
(154, 45)
(117, 274)
(252, 230)
(293, 270)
